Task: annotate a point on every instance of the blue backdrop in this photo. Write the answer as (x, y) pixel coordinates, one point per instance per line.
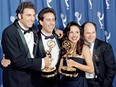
(102, 12)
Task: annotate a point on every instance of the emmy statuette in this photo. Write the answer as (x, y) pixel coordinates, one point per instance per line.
(65, 70)
(48, 72)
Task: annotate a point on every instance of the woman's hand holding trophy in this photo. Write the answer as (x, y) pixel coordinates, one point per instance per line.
(68, 70)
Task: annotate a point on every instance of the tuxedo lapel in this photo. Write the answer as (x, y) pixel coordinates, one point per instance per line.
(96, 51)
(23, 39)
(35, 43)
(41, 46)
(57, 40)
(96, 56)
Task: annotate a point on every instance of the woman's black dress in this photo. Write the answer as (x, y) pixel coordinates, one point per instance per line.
(79, 81)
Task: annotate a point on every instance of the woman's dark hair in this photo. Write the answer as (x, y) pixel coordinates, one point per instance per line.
(80, 43)
(44, 11)
(24, 5)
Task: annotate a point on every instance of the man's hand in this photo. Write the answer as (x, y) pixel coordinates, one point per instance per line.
(5, 62)
(48, 61)
(59, 33)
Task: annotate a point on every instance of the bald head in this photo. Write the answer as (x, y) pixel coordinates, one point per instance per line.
(89, 32)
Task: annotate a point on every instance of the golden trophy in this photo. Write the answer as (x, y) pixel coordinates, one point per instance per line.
(48, 72)
(65, 70)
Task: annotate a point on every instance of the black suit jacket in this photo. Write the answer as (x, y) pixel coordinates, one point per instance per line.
(46, 82)
(104, 62)
(19, 72)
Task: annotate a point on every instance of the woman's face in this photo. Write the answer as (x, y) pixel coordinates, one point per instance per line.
(74, 34)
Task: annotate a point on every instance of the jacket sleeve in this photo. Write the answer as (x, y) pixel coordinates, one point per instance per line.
(110, 65)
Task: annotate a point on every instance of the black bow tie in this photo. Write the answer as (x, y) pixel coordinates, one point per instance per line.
(27, 31)
(48, 37)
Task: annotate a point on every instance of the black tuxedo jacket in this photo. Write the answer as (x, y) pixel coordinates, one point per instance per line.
(46, 82)
(19, 72)
(104, 62)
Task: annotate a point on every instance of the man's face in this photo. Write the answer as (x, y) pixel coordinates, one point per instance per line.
(48, 23)
(89, 33)
(27, 18)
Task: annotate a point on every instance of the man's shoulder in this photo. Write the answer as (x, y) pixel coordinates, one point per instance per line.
(103, 43)
(10, 27)
(10, 30)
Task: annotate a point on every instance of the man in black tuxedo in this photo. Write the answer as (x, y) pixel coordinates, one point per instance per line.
(103, 58)
(19, 42)
(47, 18)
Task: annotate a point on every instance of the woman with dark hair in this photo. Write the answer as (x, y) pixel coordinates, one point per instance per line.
(77, 56)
